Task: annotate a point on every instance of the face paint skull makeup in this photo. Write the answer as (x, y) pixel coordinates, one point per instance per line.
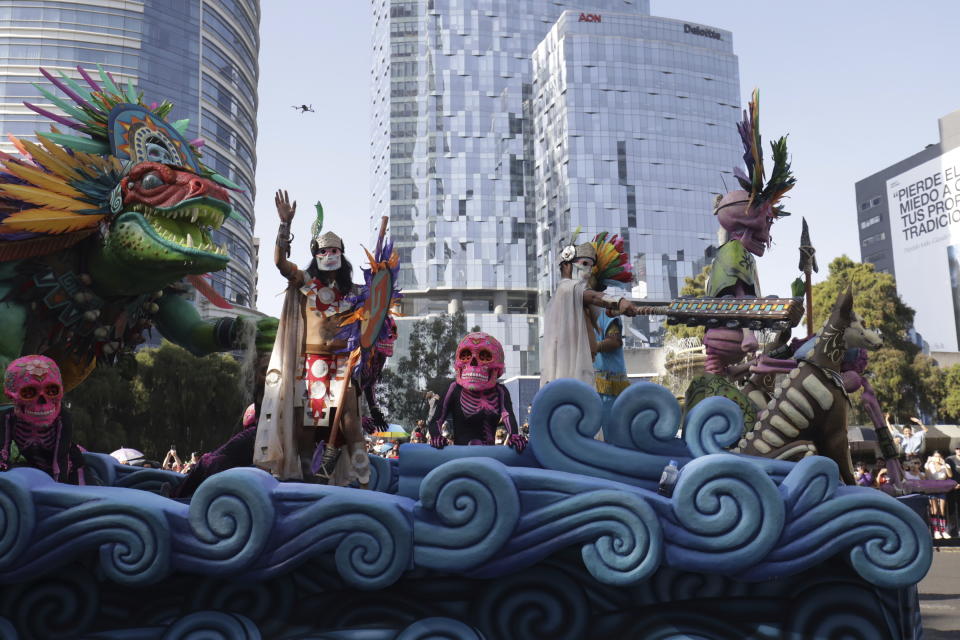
(328, 259)
(479, 361)
(36, 388)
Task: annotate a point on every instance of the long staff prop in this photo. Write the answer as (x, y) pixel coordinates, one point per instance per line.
(808, 264)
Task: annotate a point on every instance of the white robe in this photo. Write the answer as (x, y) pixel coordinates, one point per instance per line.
(565, 352)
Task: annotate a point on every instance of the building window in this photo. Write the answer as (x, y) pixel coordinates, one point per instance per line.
(877, 237)
(869, 222)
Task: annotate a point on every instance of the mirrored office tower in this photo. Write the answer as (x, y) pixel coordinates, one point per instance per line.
(451, 156)
(200, 55)
(634, 134)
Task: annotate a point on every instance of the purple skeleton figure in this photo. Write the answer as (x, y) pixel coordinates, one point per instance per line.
(37, 425)
(371, 370)
(476, 404)
(746, 215)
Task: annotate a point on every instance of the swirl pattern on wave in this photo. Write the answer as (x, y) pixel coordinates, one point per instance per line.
(470, 507)
(53, 608)
(566, 417)
(540, 603)
(212, 625)
(622, 542)
(724, 514)
(886, 542)
(371, 534)
(646, 417)
(713, 425)
(17, 517)
(438, 628)
(231, 518)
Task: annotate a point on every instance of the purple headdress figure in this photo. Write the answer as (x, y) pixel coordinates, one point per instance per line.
(747, 215)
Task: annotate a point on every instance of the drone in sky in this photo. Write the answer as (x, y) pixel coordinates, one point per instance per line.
(304, 108)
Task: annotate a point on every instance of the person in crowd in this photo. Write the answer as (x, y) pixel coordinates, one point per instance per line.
(862, 475)
(525, 429)
(500, 436)
(938, 469)
(418, 437)
(912, 438)
(881, 478)
(394, 451)
(953, 505)
(172, 461)
(912, 469)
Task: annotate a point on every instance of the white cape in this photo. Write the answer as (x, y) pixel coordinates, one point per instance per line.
(565, 352)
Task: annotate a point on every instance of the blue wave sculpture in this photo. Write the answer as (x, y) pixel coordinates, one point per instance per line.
(503, 534)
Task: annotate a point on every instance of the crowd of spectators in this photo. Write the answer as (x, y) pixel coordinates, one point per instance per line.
(918, 465)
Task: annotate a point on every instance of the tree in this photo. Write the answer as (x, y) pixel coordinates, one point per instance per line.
(104, 408)
(697, 287)
(159, 397)
(192, 402)
(427, 366)
(950, 402)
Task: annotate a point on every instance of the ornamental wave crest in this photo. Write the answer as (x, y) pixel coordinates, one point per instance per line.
(488, 512)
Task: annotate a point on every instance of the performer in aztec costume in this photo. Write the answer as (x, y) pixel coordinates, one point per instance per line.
(310, 409)
(612, 269)
(476, 403)
(569, 339)
(37, 432)
(98, 229)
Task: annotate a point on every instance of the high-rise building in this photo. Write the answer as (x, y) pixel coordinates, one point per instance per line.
(635, 134)
(452, 156)
(200, 55)
(908, 216)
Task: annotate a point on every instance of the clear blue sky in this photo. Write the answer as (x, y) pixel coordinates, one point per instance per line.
(857, 84)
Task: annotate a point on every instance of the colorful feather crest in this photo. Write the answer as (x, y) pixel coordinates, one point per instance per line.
(613, 268)
(60, 190)
(781, 179)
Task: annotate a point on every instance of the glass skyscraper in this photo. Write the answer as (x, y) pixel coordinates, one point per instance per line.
(452, 150)
(634, 134)
(202, 56)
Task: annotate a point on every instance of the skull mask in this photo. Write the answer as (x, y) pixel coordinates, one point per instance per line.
(385, 344)
(479, 361)
(751, 226)
(36, 388)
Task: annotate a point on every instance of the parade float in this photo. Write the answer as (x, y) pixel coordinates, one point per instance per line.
(568, 537)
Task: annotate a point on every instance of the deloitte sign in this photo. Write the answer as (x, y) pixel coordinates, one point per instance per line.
(701, 31)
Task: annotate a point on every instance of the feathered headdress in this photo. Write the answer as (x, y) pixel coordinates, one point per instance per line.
(613, 268)
(781, 180)
(61, 189)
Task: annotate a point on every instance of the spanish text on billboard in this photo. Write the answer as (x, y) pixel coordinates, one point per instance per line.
(925, 225)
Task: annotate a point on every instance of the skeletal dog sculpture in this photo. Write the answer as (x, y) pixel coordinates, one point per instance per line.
(760, 386)
(808, 412)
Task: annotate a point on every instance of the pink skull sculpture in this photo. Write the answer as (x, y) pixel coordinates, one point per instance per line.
(479, 361)
(751, 226)
(36, 388)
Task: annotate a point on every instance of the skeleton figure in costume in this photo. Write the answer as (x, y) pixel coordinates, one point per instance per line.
(308, 382)
(476, 404)
(569, 341)
(746, 215)
(36, 430)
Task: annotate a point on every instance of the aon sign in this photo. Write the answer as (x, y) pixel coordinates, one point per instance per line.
(590, 17)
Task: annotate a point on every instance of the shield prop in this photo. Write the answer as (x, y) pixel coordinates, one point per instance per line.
(376, 308)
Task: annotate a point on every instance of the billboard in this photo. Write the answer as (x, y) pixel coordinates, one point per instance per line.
(924, 205)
